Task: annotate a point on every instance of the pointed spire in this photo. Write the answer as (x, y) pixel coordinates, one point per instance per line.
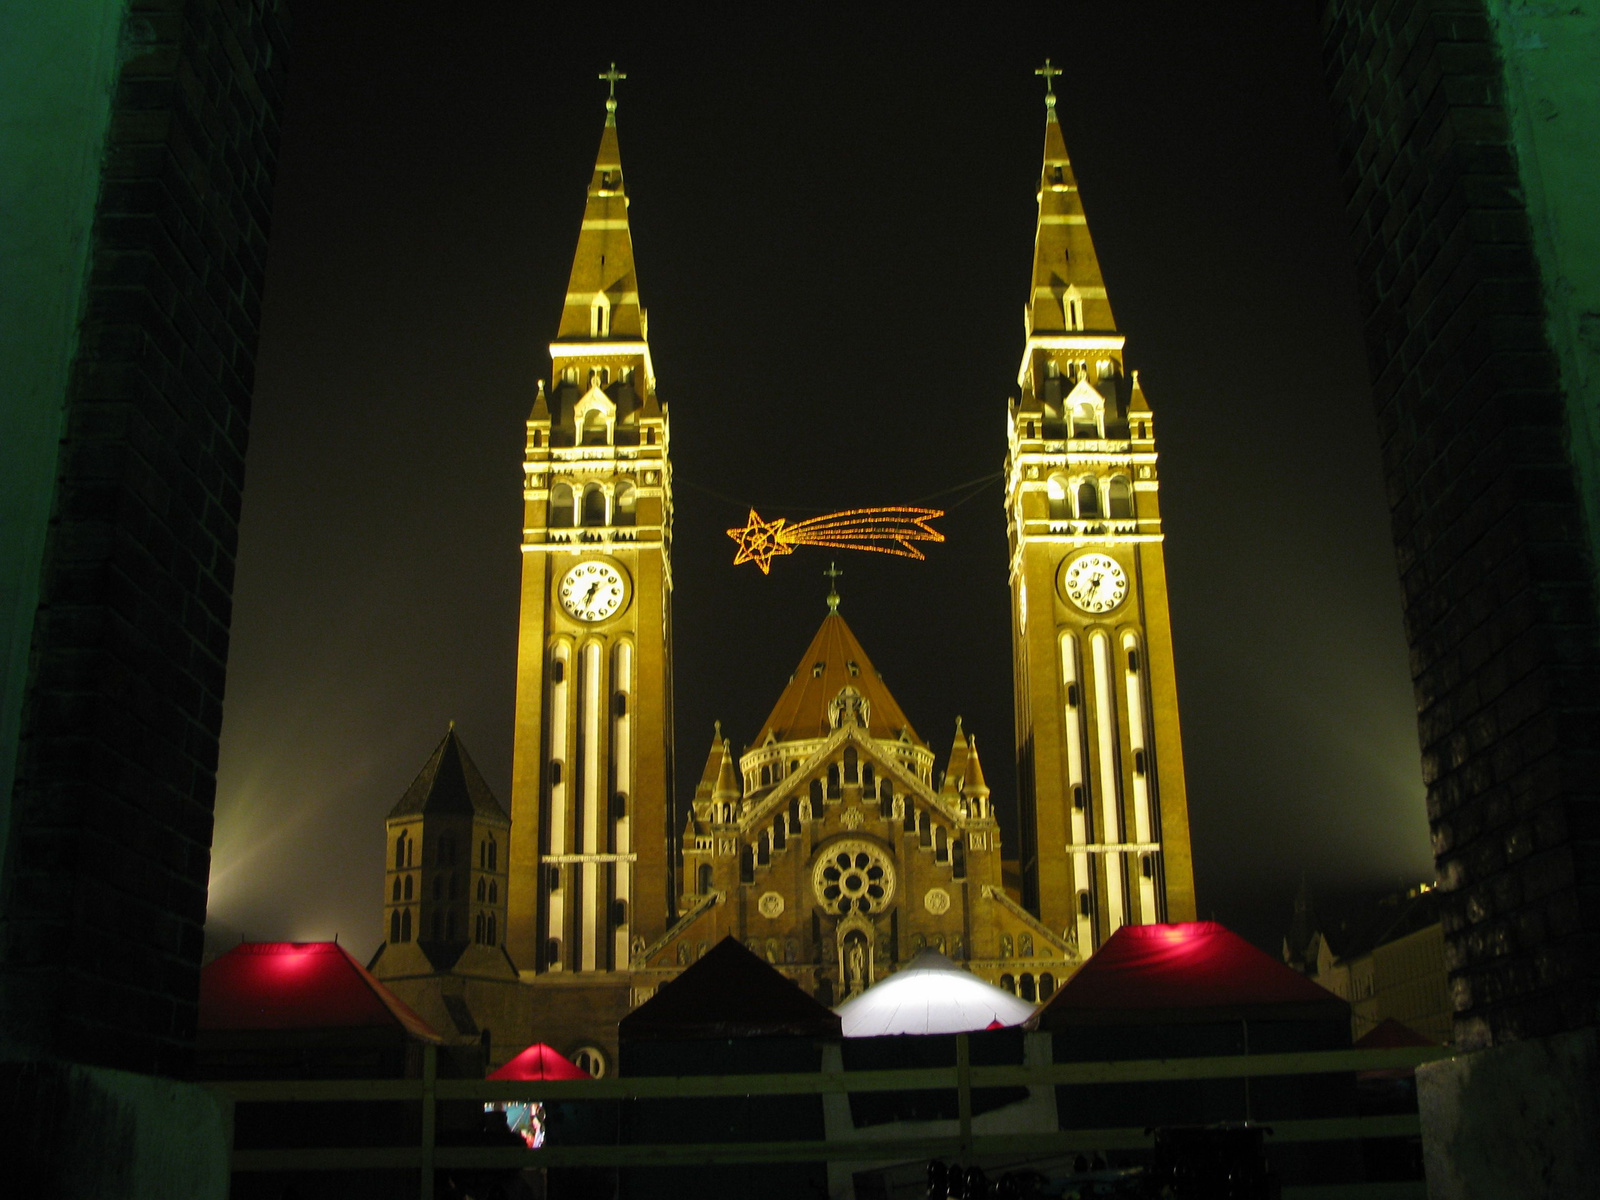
(1137, 401)
(705, 791)
(833, 574)
(972, 784)
(603, 291)
(727, 782)
(955, 768)
(1069, 293)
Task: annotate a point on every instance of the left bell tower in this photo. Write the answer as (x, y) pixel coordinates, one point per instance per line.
(591, 873)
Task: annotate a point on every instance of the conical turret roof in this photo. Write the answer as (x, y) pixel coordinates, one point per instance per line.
(834, 661)
(450, 783)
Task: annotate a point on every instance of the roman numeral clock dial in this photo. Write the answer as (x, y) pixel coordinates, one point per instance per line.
(593, 590)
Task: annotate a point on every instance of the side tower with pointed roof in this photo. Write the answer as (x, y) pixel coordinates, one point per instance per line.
(445, 872)
(591, 866)
(1105, 825)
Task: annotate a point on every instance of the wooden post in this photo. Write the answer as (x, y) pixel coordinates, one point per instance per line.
(964, 1096)
(430, 1080)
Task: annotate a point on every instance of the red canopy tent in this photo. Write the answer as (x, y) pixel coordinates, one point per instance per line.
(540, 1061)
(299, 986)
(1194, 972)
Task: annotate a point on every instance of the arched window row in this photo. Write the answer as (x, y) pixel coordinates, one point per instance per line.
(488, 854)
(1089, 498)
(400, 925)
(593, 504)
(404, 850)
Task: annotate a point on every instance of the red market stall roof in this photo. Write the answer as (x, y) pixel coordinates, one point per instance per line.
(540, 1061)
(1193, 972)
(729, 993)
(299, 985)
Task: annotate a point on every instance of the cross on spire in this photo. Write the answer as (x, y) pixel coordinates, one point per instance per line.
(833, 574)
(1049, 72)
(611, 75)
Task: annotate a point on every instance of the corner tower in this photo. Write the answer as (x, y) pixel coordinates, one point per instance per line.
(591, 868)
(1105, 825)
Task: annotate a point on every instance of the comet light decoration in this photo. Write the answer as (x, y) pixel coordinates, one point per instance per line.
(883, 530)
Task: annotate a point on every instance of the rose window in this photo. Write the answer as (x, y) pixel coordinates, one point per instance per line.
(853, 876)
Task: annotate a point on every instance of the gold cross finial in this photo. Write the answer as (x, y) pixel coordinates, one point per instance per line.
(611, 75)
(833, 574)
(1049, 72)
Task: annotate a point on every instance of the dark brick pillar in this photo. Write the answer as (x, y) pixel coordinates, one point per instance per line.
(1489, 524)
(105, 882)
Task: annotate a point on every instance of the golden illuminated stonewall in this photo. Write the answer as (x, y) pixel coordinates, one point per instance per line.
(1105, 823)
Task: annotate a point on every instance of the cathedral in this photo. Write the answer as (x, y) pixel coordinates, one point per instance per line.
(835, 844)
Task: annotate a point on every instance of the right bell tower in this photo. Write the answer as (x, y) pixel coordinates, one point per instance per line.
(1105, 821)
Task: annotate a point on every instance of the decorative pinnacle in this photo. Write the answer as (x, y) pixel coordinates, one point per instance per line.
(611, 75)
(1049, 72)
(833, 574)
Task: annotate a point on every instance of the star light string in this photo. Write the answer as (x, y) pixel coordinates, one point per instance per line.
(891, 530)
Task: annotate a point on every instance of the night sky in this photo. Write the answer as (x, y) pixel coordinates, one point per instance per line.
(833, 220)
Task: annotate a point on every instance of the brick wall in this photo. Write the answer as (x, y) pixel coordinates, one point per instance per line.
(1489, 529)
(112, 809)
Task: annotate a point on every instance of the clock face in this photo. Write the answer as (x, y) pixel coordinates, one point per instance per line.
(593, 590)
(1096, 583)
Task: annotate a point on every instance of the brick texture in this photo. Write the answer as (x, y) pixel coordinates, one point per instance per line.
(112, 814)
(1499, 587)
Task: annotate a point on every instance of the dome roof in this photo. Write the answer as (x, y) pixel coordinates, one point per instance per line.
(930, 994)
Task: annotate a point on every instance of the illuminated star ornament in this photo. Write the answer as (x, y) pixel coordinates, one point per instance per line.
(883, 530)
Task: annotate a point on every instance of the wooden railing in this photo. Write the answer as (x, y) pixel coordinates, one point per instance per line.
(962, 1078)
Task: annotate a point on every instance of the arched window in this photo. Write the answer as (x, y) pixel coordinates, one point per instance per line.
(561, 507)
(483, 890)
(1083, 904)
(816, 797)
(1047, 986)
(885, 801)
(705, 878)
(594, 505)
(867, 781)
(1026, 990)
(400, 851)
(396, 896)
(924, 831)
(764, 848)
(594, 430)
(405, 925)
(394, 926)
(833, 781)
(1084, 424)
(600, 316)
(494, 854)
(780, 833)
(619, 912)
(958, 859)
(747, 865)
(850, 764)
(627, 505)
(1088, 499)
(552, 952)
(941, 848)
(909, 824)
(1121, 507)
(494, 939)
(1008, 983)
(408, 886)
(477, 929)
(494, 892)
(1055, 490)
(794, 815)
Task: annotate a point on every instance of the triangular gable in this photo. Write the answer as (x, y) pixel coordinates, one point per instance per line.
(540, 1061)
(450, 783)
(299, 985)
(1197, 971)
(728, 993)
(825, 669)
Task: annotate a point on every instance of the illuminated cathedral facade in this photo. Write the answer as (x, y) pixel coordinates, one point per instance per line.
(836, 844)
